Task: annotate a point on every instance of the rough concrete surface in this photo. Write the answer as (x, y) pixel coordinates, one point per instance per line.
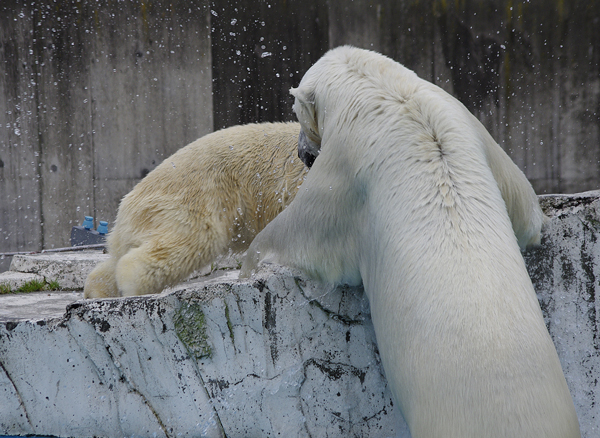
(69, 269)
(15, 280)
(565, 271)
(278, 355)
(36, 305)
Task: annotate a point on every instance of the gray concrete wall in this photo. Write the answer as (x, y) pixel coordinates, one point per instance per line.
(93, 97)
(260, 50)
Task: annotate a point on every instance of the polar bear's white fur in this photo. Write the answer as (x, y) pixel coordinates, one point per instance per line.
(411, 196)
(209, 197)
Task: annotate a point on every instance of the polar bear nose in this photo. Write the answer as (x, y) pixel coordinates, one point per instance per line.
(307, 158)
(304, 150)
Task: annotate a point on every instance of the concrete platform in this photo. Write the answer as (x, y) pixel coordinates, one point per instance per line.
(69, 269)
(36, 306)
(274, 356)
(15, 279)
(278, 355)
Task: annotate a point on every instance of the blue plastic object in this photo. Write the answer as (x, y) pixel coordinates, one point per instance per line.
(103, 227)
(85, 235)
(88, 223)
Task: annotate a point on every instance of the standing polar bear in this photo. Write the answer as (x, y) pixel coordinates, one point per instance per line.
(211, 196)
(412, 197)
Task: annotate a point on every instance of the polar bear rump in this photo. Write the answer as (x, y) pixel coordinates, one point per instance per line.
(211, 197)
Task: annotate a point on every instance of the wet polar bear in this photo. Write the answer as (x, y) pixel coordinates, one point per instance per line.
(412, 197)
(209, 197)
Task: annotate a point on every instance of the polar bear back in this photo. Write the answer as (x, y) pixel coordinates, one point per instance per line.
(383, 87)
(210, 175)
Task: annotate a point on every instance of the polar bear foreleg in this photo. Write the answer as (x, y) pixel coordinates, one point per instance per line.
(521, 201)
(317, 233)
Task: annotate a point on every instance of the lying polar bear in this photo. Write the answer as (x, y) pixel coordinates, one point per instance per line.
(211, 196)
(410, 196)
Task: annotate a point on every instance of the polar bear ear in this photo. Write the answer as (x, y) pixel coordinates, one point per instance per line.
(304, 107)
(303, 95)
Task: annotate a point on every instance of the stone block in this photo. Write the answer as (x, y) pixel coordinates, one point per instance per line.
(278, 355)
(17, 279)
(69, 269)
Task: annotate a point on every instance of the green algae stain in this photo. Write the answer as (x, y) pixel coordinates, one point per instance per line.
(190, 326)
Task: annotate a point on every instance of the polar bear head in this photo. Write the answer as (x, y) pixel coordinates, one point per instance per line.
(319, 104)
(309, 141)
(305, 107)
(307, 150)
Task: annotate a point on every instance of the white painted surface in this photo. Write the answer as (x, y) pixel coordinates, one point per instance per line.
(280, 364)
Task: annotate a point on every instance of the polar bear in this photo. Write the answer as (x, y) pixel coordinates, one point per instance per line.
(211, 196)
(410, 196)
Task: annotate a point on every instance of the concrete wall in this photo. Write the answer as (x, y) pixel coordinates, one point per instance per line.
(258, 56)
(529, 70)
(91, 99)
(92, 96)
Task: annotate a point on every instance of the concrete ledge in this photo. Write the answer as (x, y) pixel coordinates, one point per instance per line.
(276, 356)
(69, 269)
(17, 279)
(36, 306)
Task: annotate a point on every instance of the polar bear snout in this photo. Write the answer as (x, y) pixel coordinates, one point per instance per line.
(307, 150)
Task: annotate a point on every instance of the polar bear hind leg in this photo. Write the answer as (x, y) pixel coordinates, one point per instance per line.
(137, 274)
(150, 267)
(101, 282)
